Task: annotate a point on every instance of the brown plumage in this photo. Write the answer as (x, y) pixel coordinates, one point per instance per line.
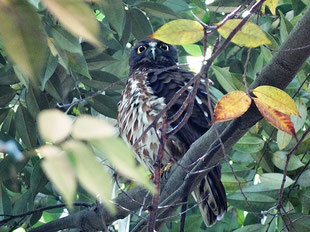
(150, 87)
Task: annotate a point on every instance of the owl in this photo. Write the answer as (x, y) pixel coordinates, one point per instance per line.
(154, 79)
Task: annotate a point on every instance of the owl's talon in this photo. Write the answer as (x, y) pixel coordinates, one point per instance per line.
(166, 169)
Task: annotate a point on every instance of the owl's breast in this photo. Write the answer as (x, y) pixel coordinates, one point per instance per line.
(137, 110)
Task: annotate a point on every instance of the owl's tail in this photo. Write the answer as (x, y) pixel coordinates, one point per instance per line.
(211, 197)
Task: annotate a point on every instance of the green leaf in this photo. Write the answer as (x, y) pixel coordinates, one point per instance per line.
(283, 139)
(122, 157)
(65, 40)
(193, 49)
(230, 183)
(30, 40)
(24, 203)
(158, 10)
(285, 27)
(54, 125)
(223, 76)
(100, 61)
(37, 179)
(274, 180)
(301, 222)
(78, 63)
(101, 80)
(115, 13)
(252, 228)
(90, 172)
(304, 147)
(5, 203)
(76, 17)
(49, 69)
(304, 197)
(304, 178)
(6, 95)
(26, 127)
(249, 144)
(58, 168)
(257, 201)
(36, 101)
(87, 127)
(299, 121)
(3, 114)
(104, 105)
(7, 76)
(279, 160)
(141, 26)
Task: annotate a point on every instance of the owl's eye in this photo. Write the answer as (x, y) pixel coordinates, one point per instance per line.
(164, 47)
(141, 49)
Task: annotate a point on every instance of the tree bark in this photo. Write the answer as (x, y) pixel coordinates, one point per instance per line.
(279, 72)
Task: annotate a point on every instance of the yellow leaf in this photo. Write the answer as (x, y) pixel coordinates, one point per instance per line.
(276, 99)
(275, 118)
(272, 4)
(250, 34)
(58, 168)
(179, 32)
(87, 127)
(231, 106)
(90, 172)
(54, 125)
(23, 37)
(76, 17)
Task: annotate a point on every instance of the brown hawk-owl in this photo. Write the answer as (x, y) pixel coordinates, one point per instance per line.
(154, 79)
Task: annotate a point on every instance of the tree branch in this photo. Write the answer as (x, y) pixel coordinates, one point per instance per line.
(279, 72)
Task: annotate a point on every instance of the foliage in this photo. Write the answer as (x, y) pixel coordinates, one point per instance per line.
(55, 54)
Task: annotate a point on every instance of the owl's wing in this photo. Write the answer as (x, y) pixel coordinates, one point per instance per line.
(165, 84)
(210, 193)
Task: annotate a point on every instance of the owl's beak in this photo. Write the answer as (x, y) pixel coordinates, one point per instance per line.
(153, 53)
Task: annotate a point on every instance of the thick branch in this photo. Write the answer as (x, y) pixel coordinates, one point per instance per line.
(279, 72)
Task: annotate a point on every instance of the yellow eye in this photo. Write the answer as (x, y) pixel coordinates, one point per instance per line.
(141, 49)
(164, 47)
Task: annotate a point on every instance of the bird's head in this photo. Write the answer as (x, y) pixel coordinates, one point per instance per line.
(152, 53)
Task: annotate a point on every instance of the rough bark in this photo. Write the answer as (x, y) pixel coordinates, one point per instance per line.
(279, 72)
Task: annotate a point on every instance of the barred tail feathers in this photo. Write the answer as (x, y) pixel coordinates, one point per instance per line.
(211, 197)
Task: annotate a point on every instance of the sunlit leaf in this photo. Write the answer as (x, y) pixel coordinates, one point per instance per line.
(90, 172)
(76, 17)
(231, 106)
(54, 125)
(274, 180)
(121, 156)
(279, 160)
(23, 37)
(275, 118)
(276, 99)
(272, 4)
(179, 32)
(87, 127)
(250, 35)
(58, 168)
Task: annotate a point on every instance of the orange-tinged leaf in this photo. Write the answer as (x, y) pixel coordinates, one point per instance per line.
(76, 17)
(272, 4)
(276, 99)
(250, 34)
(275, 118)
(179, 32)
(231, 106)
